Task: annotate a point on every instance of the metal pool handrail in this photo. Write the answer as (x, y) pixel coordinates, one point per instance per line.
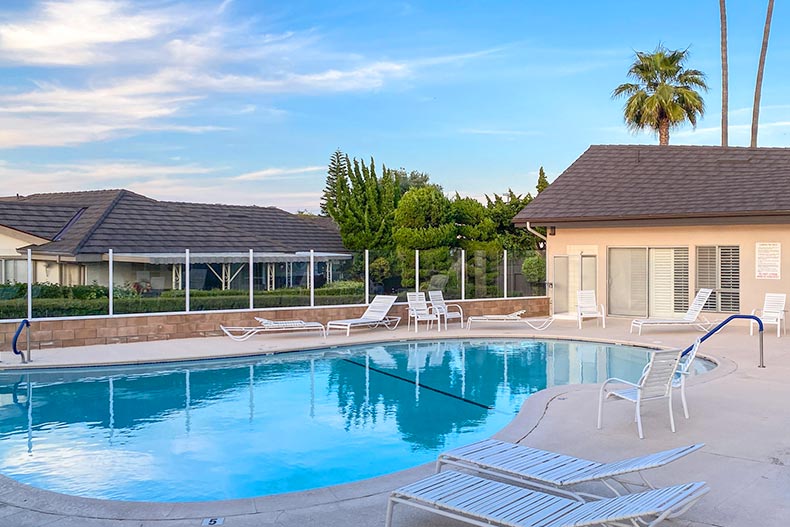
(22, 325)
(726, 321)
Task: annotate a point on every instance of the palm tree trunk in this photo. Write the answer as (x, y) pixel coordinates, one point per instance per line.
(760, 69)
(663, 132)
(725, 90)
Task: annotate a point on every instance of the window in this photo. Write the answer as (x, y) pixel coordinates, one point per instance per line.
(648, 281)
(718, 268)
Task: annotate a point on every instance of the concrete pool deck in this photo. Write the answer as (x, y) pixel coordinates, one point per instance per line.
(738, 410)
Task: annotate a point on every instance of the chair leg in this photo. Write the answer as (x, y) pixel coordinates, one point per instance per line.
(600, 409)
(388, 521)
(639, 420)
(671, 415)
(683, 397)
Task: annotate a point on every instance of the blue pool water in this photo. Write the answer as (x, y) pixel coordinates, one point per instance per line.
(226, 429)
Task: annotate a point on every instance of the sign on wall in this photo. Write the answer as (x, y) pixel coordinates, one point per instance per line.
(768, 261)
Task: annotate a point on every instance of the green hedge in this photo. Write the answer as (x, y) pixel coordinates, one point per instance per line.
(69, 307)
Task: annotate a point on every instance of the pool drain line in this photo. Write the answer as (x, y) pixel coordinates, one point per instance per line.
(423, 386)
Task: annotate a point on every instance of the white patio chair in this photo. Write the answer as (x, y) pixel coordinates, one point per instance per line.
(484, 502)
(448, 311)
(655, 384)
(240, 334)
(587, 307)
(538, 324)
(374, 316)
(693, 316)
(555, 472)
(685, 364)
(420, 311)
(773, 312)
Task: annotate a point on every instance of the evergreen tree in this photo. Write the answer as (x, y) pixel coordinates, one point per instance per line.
(364, 206)
(337, 169)
(542, 181)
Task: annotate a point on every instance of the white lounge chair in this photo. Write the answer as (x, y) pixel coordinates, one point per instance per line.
(268, 326)
(693, 316)
(538, 324)
(448, 311)
(773, 312)
(684, 370)
(587, 307)
(419, 311)
(656, 383)
(551, 471)
(484, 502)
(375, 315)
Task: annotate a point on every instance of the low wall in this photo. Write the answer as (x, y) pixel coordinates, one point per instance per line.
(110, 330)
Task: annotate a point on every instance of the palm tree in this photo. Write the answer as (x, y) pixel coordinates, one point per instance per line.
(760, 68)
(725, 90)
(665, 92)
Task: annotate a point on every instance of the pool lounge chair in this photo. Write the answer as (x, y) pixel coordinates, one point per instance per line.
(268, 326)
(483, 502)
(555, 472)
(693, 316)
(374, 316)
(419, 311)
(588, 307)
(773, 312)
(538, 324)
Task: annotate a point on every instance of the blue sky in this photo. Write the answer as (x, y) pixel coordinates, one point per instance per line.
(243, 101)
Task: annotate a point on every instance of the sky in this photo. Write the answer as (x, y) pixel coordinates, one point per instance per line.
(244, 101)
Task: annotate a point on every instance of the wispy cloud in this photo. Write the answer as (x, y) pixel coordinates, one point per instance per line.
(278, 173)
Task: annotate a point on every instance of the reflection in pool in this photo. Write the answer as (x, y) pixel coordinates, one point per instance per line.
(225, 429)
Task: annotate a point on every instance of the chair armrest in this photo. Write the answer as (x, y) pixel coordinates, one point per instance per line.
(618, 381)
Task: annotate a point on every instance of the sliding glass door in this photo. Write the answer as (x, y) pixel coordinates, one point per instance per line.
(650, 282)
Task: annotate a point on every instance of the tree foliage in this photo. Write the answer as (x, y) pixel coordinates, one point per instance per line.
(364, 205)
(409, 180)
(543, 183)
(502, 210)
(664, 93)
(337, 169)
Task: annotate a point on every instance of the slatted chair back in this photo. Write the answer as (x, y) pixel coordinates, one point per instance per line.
(697, 305)
(437, 300)
(657, 379)
(379, 307)
(586, 302)
(417, 303)
(773, 308)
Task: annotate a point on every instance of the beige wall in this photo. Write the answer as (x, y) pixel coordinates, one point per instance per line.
(572, 241)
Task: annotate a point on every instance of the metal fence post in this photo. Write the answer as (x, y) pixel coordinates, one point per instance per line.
(29, 284)
(504, 267)
(367, 276)
(110, 291)
(311, 279)
(463, 274)
(416, 270)
(186, 289)
(252, 284)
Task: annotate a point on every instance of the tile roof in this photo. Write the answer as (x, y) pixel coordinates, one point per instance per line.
(131, 223)
(628, 182)
(44, 221)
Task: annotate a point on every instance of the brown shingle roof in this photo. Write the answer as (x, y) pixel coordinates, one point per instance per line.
(130, 223)
(619, 182)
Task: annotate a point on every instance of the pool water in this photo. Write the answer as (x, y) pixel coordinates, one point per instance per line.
(225, 429)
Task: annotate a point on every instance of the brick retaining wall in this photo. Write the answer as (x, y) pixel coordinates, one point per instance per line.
(109, 330)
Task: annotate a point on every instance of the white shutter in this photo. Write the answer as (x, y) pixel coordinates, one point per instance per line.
(662, 290)
(681, 283)
(706, 275)
(729, 278)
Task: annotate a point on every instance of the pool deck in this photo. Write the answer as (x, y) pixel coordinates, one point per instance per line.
(741, 412)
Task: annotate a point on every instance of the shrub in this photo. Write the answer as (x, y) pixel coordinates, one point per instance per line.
(534, 269)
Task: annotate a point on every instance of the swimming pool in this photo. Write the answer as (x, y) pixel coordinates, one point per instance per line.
(225, 429)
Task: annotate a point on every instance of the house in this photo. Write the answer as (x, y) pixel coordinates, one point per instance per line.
(647, 226)
(70, 236)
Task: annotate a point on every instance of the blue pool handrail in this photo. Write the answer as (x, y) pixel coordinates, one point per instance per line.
(22, 325)
(726, 321)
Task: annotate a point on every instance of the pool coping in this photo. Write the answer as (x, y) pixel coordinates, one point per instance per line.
(31, 498)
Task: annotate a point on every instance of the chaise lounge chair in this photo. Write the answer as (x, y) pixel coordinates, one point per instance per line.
(538, 324)
(483, 502)
(552, 471)
(268, 326)
(693, 316)
(375, 315)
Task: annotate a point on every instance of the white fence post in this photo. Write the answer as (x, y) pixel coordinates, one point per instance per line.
(186, 290)
(504, 267)
(252, 298)
(367, 276)
(29, 284)
(417, 270)
(110, 291)
(311, 278)
(463, 274)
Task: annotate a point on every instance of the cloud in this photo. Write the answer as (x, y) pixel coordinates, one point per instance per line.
(277, 173)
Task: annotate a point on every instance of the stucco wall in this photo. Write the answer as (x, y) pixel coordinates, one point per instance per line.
(572, 241)
(109, 330)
